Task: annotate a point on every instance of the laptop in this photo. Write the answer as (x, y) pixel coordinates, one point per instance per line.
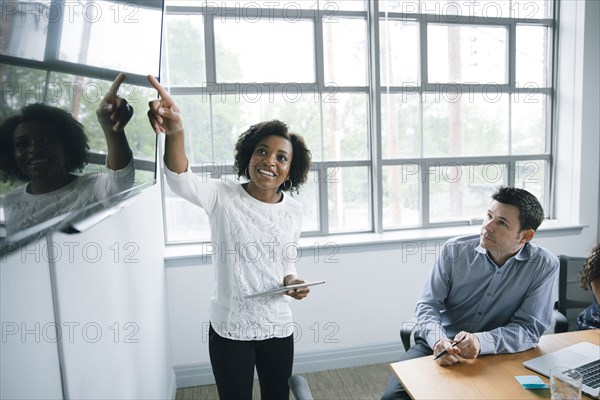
(583, 357)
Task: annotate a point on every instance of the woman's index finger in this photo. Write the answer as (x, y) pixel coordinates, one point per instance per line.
(162, 92)
(114, 88)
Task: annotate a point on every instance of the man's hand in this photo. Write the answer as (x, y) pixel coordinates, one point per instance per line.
(464, 345)
(469, 346)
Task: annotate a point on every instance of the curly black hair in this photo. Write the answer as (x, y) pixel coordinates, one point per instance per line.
(69, 130)
(531, 213)
(591, 269)
(301, 158)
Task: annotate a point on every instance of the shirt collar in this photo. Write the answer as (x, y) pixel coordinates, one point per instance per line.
(524, 254)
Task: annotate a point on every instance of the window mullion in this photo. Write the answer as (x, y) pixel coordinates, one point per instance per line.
(374, 124)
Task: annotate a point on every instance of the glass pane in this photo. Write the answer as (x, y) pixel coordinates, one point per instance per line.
(462, 192)
(309, 197)
(461, 54)
(399, 53)
(234, 114)
(531, 176)
(401, 194)
(253, 5)
(527, 9)
(400, 126)
(531, 58)
(103, 34)
(344, 5)
(195, 113)
(349, 193)
(20, 86)
(345, 45)
(345, 134)
(528, 123)
(24, 28)
(184, 51)
(456, 124)
(264, 51)
(81, 96)
(491, 9)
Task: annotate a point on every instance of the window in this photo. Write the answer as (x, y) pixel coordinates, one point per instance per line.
(415, 111)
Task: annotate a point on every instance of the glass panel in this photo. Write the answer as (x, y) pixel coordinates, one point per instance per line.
(527, 9)
(183, 61)
(400, 126)
(531, 58)
(491, 9)
(401, 194)
(349, 193)
(343, 5)
(531, 176)
(457, 124)
(24, 28)
(399, 53)
(253, 5)
(345, 134)
(81, 96)
(20, 86)
(345, 45)
(528, 123)
(462, 192)
(195, 113)
(463, 54)
(309, 197)
(264, 51)
(103, 34)
(234, 114)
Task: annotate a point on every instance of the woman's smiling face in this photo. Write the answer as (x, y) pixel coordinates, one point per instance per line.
(270, 163)
(38, 151)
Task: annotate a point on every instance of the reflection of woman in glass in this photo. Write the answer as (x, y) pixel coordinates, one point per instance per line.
(255, 227)
(590, 279)
(45, 147)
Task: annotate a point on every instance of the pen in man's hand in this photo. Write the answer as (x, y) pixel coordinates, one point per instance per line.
(443, 352)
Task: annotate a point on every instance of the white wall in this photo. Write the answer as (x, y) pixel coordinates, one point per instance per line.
(356, 317)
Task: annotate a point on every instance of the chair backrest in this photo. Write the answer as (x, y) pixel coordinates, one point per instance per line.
(299, 387)
(572, 298)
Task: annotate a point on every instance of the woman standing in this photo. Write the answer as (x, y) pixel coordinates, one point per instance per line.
(255, 227)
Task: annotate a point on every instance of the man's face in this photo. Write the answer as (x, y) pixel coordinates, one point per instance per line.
(501, 231)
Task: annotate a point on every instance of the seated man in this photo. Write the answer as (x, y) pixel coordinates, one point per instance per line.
(493, 293)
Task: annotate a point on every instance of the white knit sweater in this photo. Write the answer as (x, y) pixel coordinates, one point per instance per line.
(253, 246)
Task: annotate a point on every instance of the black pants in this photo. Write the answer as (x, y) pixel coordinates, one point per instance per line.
(233, 363)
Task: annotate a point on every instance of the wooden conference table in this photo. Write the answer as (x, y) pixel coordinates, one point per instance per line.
(487, 376)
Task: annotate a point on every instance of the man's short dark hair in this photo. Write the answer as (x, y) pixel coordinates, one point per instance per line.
(531, 213)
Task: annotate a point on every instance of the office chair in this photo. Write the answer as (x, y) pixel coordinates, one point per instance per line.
(300, 388)
(572, 299)
(406, 332)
